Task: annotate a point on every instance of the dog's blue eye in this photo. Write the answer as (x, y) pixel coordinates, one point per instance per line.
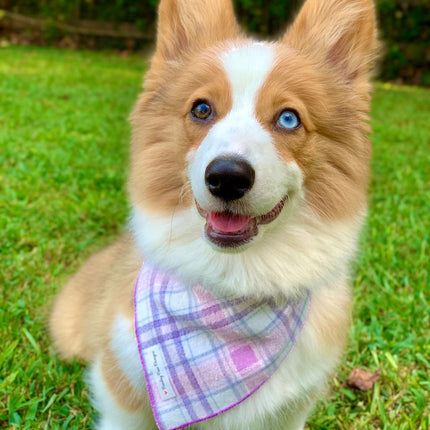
(201, 110)
(288, 120)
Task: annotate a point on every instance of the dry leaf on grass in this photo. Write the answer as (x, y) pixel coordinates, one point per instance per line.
(362, 379)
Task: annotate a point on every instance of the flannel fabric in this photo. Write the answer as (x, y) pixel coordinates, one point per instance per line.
(202, 354)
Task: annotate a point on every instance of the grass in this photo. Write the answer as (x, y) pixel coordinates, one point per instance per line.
(63, 157)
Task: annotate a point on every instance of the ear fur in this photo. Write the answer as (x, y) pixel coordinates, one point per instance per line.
(341, 32)
(184, 25)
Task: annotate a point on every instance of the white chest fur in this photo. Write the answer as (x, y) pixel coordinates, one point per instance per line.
(282, 401)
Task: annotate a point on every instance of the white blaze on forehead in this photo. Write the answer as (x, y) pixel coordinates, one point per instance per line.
(247, 67)
(240, 134)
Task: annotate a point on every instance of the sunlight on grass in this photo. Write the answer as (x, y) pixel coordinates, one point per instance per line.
(64, 146)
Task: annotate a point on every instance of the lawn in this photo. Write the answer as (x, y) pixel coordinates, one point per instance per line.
(63, 156)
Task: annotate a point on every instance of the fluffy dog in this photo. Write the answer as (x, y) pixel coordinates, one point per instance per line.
(249, 169)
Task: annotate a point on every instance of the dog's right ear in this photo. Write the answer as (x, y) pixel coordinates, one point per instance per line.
(184, 25)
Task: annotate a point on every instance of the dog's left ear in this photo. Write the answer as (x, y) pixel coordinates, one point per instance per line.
(341, 33)
(184, 25)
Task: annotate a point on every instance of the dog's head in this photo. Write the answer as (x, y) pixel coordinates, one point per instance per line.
(251, 149)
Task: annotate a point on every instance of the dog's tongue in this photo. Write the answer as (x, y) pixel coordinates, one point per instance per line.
(224, 222)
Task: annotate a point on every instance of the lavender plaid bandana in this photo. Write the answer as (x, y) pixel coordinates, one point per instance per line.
(202, 354)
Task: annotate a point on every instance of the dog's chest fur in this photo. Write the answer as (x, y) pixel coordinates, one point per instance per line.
(299, 380)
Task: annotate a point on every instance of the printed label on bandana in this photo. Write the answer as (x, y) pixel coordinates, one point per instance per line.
(157, 369)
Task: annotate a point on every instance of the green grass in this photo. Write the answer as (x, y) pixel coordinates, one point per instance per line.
(63, 156)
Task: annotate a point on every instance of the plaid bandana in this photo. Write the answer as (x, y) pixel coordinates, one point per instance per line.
(202, 354)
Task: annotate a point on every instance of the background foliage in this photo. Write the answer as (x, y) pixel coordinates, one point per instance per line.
(405, 25)
(405, 28)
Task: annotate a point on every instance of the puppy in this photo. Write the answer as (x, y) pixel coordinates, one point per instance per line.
(227, 305)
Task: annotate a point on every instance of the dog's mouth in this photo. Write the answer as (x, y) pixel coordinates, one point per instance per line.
(229, 230)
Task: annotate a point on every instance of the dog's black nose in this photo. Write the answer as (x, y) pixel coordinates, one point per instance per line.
(229, 178)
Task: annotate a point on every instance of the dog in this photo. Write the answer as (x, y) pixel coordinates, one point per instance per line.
(229, 294)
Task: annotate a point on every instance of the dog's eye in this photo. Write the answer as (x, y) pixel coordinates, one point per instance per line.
(201, 110)
(288, 120)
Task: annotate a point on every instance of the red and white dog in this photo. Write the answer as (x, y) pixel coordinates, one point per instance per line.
(249, 169)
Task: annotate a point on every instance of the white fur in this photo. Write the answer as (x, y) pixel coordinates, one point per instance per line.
(300, 251)
(240, 134)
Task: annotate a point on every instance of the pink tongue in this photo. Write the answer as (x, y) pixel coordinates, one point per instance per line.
(227, 223)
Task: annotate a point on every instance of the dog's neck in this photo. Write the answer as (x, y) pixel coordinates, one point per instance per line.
(305, 253)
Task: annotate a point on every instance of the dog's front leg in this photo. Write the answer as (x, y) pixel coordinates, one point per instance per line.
(117, 382)
(119, 404)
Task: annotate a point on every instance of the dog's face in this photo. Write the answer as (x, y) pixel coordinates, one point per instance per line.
(236, 141)
(240, 181)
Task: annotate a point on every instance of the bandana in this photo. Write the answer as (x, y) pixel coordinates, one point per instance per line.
(202, 355)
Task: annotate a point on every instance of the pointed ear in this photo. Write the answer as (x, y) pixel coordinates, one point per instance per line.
(341, 32)
(191, 24)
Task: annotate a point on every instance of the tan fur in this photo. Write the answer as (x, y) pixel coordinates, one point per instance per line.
(83, 311)
(157, 181)
(184, 30)
(330, 317)
(332, 146)
(315, 34)
(188, 26)
(120, 387)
